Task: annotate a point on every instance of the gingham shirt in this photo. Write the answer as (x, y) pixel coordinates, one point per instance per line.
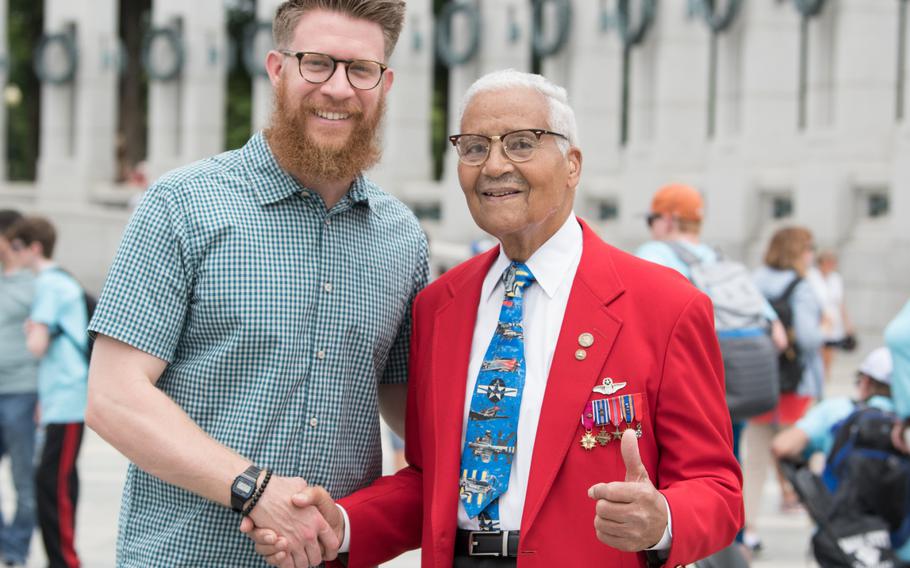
(277, 318)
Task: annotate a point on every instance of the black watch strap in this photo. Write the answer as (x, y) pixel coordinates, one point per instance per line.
(244, 486)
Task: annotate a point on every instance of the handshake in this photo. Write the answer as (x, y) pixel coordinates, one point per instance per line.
(295, 525)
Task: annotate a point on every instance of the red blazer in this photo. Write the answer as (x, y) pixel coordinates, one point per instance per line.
(652, 330)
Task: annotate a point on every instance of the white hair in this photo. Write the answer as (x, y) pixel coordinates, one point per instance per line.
(561, 116)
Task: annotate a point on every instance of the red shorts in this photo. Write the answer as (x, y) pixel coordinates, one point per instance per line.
(791, 408)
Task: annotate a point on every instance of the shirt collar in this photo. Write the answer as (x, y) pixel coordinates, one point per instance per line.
(549, 264)
(272, 184)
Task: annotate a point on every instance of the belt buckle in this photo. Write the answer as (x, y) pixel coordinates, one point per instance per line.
(472, 543)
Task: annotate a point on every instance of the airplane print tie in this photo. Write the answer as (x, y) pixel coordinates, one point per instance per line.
(490, 437)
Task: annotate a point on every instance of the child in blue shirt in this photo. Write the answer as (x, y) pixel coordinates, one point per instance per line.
(56, 333)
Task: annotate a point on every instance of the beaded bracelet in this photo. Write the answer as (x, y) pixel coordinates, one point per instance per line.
(257, 494)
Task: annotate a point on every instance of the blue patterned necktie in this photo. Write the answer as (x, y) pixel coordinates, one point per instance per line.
(490, 437)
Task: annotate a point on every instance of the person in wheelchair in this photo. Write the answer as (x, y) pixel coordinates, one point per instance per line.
(865, 474)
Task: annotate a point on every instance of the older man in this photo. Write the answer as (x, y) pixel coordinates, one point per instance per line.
(259, 305)
(555, 380)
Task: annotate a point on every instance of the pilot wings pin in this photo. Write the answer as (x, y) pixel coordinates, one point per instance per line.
(608, 387)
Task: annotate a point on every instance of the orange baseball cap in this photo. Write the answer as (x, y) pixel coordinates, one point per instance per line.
(680, 200)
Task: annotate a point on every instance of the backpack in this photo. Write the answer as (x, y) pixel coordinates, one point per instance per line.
(790, 364)
(90, 302)
(846, 537)
(867, 475)
(750, 358)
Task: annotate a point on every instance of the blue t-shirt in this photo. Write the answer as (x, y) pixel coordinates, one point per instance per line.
(897, 338)
(63, 371)
(817, 423)
(18, 368)
(661, 253)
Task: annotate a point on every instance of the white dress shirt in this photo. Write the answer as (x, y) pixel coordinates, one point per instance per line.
(553, 266)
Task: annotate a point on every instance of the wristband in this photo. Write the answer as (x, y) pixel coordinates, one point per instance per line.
(258, 494)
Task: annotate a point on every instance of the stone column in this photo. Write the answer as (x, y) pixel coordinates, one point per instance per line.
(406, 156)
(589, 67)
(667, 111)
(768, 131)
(731, 203)
(186, 112)
(262, 88)
(869, 152)
(78, 126)
(4, 77)
(504, 43)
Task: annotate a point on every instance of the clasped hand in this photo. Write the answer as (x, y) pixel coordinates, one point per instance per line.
(294, 525)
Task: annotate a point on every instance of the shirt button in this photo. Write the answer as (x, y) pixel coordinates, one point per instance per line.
(328, 221)
(320, 354)
(304, 194)
(327, 286)
(314, 422)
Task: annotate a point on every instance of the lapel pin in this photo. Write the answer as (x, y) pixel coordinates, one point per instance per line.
(608, 386)
(586, 339)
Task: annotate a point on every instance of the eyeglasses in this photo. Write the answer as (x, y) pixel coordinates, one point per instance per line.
(363, 74)
(518, 145)
(651, 218)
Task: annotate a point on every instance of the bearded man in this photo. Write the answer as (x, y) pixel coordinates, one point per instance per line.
(257, 314)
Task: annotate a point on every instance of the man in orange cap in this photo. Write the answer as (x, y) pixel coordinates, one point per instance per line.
(675, 220)
(676, 214)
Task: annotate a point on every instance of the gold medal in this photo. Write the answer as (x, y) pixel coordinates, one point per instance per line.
(588, 441)
(603, 437)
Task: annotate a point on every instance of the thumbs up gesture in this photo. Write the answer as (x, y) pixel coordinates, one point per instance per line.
(631, 515)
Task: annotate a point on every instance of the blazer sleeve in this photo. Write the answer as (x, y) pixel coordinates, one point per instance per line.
(386, 518)
(697, 472)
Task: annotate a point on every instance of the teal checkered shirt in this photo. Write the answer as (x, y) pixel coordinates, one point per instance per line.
(278, 319)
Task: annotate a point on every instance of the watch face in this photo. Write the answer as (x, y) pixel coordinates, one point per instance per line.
(243, 487)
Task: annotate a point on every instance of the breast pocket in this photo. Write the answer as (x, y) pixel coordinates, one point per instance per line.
(597, 443)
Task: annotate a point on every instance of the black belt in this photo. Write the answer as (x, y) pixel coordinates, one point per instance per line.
(486, 543)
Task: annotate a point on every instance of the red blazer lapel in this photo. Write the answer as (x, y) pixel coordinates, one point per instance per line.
(571, 379)
(453, 331)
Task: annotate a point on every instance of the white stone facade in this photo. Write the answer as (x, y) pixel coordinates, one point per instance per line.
(830, 146)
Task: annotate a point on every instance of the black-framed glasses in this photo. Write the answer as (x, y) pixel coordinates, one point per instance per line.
(651, 218)
(518, 145)
(363, 74)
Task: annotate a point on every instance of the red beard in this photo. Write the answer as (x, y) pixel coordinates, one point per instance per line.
(299, 153)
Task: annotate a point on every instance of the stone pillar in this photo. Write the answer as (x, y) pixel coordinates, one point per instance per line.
(78, 126)
(870, 152)
(186, 112)
(4, 77)
(589, 67)
(731, 207)
(262, 88)
(406, 156)
(504, 43)
(768, 134)
(667, 111)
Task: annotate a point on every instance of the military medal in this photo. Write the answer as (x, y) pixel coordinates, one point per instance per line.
(588, 441)
(628, 403)
(601, 411)
(587, 422)
(615, 416)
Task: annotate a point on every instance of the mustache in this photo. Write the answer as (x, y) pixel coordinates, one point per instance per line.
(510, 179)
(308, 107)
